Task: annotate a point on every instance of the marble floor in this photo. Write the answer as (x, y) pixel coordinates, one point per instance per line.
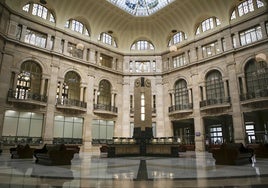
(90, 170)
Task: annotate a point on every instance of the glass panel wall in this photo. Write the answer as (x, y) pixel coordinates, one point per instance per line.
(22, 127)
(68, 130)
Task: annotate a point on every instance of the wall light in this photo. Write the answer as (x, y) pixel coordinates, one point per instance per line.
(260, 57)
(173, 48)
(80, 46)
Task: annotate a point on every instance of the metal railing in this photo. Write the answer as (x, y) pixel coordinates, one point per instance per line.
(105, 107)
(25, 95)
(12, 140)
(218, 101)
(258, 137)
(254, 95)
(71, 102)
(178, 107)
(67, 140)
(132, 110)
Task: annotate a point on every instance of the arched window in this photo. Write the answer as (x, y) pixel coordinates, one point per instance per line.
(181, 93)
(77, 26)
(177, 38)
(256, 75)
(104, 94)
(142, 45)
(29, 80)
(207, 24)
(214, 85)
(107, 38)
(246, 7)
(40, 11)
(71, 86)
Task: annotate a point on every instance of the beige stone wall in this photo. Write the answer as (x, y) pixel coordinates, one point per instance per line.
(230, 63)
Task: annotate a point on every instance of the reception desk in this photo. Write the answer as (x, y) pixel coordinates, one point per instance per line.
(125, 147)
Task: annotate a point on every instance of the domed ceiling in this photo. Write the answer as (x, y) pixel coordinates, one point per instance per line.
(157, 26)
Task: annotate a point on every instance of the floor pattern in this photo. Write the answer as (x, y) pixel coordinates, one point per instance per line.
(92, 170)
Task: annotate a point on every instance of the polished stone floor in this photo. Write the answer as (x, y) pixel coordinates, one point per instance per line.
(92, 170)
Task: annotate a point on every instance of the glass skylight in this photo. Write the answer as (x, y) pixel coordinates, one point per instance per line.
(141, 7)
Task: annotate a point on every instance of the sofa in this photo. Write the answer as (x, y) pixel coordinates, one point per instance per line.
(260, 150)
(21, 152)
(232, 154)
(55, 155)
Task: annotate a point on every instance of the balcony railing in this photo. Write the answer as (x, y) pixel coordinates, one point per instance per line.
(132, 110)
(105, 107)
(71, 102)
(257, 137)
(67, 140)
(254, 95)
(179, 107)
(218, 101)
(13, 140)
(26, 96)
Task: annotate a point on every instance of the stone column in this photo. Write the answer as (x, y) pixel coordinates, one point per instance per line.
(244, 85)
(204, 92)
(48, 43)
(263, 30)
(225, 88)
(228, 41)
(81, 93)
(164, 125)
(124, 128)
(187, 56)
(23, 33)
(193, 54)
(6, 60)
(112, 99)
(98, 58)
(14, 84)
(58, 45)
(42, 86)
(87, 134)
(133, 66)
(238, 123)
(173, 98)
(13, 29)
(96, 96)
(237, 40)
(219, 47)
(198, 120)
(199, 53)
(85, 54)
(65, 47)
(92, 58)
(190, 95)
(114, 63)
(49, 116)
(60, 91)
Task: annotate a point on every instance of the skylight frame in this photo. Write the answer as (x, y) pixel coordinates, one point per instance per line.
(141, 8)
